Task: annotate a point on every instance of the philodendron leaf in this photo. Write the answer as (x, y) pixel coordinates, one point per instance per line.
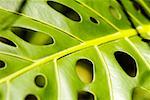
(74, 50)
(141, 94)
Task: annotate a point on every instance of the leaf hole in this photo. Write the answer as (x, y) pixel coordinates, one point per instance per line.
(22, 6)
(94, 20)
(31, 97)
(84, 69)
(40, 81)
(6, 41)
(83, 95)
(115, 12)
(2, 64)
(66, 11)
(146, 40)
(127, 63)
(32, 36)
(140, 9)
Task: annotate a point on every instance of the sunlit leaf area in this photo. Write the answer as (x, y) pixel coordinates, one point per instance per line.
(74, 49)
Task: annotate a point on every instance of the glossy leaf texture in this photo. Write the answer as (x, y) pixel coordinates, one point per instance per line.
(74, 50)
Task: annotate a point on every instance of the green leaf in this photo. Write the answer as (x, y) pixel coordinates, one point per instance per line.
(141, 94)
(74, 50)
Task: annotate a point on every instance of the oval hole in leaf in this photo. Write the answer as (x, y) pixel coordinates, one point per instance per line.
(66, 11)
(2, 64)
(6, 41)
(22, 6)
(115, 12)
(32, 36)
(84, 69)
(140, 9)
(93, 20)
(83, 95)
(31, 97)
(40, 81)
(127, 63)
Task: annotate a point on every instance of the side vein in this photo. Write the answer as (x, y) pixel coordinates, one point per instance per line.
(135, 48)
(106, 20)
(107, 72)
(98, 41)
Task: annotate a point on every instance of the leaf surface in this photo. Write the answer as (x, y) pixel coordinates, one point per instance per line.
(74, 50)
